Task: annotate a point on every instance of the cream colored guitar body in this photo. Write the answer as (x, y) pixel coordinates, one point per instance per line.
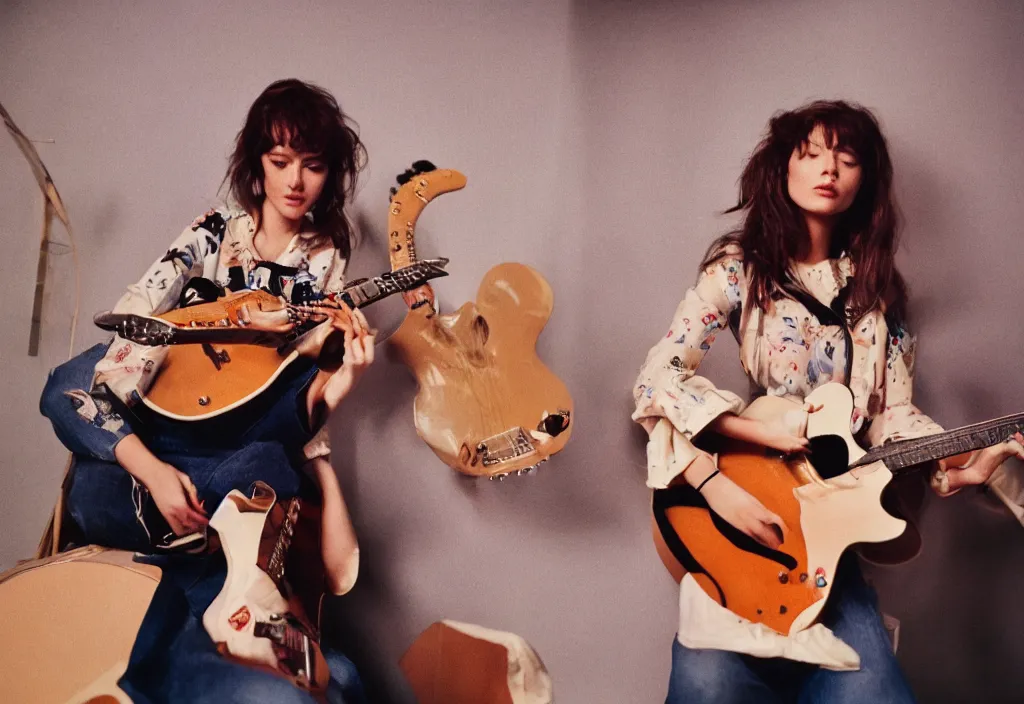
(785, 589)
(250, 620)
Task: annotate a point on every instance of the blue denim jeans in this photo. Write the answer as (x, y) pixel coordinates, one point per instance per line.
(723, 677)
(261, 439)
(174, 659)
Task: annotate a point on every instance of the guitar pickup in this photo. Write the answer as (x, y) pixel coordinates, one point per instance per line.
(508, 445)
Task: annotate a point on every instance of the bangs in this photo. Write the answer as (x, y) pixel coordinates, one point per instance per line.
(295, 129)
(842, 133)
(845, 129)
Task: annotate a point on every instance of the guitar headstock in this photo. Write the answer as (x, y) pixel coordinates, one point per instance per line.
(417, 186)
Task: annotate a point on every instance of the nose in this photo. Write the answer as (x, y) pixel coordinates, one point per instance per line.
(831, 165)
(295, 177)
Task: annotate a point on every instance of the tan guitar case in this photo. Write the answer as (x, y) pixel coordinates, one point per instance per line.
(69, 623)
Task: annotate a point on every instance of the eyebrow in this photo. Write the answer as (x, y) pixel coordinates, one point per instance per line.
(838, 149)
(279, 150)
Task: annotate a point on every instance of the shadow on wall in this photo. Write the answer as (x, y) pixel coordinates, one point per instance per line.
(963, 588)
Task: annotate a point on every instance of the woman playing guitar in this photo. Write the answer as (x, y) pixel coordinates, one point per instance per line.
(809, 288)
(147, 483)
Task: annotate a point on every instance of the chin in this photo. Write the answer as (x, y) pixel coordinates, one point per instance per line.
(292, 212)
(824, 209)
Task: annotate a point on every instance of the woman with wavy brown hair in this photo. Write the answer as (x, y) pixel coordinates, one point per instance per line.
(147, 483)
(809, 288)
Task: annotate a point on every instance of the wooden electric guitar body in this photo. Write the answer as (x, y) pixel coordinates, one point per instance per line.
(486, 405)
(198, 381)
(828, 501)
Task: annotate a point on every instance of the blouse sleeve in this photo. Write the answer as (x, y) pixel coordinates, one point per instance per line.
(128, 368)
(899, 419)
(673, 403)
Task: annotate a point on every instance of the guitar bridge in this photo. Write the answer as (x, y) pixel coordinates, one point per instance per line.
(294, 646)
(503, 447)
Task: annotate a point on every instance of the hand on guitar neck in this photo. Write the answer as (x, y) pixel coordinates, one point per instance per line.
(971, 468)
(346, 353)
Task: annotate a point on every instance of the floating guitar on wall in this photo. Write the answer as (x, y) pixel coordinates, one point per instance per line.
(214, 364)
(487, 405)
(828, 502)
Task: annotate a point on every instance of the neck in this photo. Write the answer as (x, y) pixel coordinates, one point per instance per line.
(819, 229)
(277, 228)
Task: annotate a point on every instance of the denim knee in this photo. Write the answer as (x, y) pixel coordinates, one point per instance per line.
(84, 424)
(346, 687)
(712, 676)
(248, 686)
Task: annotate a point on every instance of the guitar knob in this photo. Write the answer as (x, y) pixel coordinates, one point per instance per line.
(204, 400)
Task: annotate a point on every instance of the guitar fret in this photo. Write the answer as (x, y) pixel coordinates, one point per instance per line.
(387, 284)
(908, 453)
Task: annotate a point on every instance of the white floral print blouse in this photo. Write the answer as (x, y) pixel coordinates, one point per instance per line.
(219, 247)
(788, 351)
(798, 345)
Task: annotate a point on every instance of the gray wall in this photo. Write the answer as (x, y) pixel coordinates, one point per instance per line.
(600, 140)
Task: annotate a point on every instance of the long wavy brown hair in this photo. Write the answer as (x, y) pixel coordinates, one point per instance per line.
(307, 118)
(774, 231)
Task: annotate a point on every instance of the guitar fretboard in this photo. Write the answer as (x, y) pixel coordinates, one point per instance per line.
(365, 292)
(909, 453)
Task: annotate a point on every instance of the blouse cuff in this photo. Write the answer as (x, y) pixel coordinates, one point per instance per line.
(669, 453)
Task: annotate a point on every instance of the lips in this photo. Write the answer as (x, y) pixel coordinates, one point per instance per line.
(827, 191)
(294, 200)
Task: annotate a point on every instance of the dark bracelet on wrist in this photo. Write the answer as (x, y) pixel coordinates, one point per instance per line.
(707, 479)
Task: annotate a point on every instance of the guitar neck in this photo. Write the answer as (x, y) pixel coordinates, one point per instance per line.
(362, 293)
(221, 330)
(909, 453)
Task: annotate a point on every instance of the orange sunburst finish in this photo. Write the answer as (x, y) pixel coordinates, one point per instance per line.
(190, 386)
(750, 582)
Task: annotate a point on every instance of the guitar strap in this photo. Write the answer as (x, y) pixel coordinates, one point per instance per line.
(199, 290)
(834, 314)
